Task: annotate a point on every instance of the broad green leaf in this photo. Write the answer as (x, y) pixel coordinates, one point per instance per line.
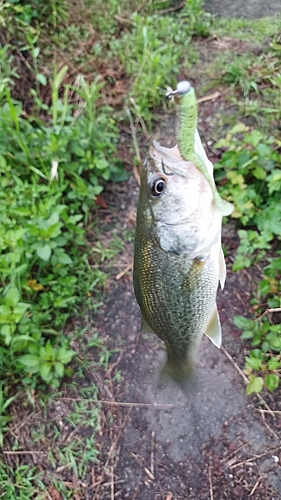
(22, 211)
(13, 236)
(5, 314)
(54, 230)
(59, 369)
(35, 52)
(274, 181)
(270, 219)
(247, 334)
(12, 296)
(20, 342)
(265, 346)
(259, 173)
(3, 163)
(6, 332)
(29, 360)
(241, 262)
(19, 311)
(256, 353)
(271, 381)
(253, 363)
(273, 364)
(41, 79)
(65, 355)
(21, 269)
(238, 128)
(275, 343)
(73, 219)
(7, 329)
(242, 323)
(63, 258)
(254, 137)
(255, 385)
(45, 369)
(44, 252)
(52, 220)
(49, 350)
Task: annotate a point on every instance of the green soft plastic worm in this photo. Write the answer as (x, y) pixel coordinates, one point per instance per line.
(187, 113)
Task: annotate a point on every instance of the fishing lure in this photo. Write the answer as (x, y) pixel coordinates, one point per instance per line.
(187, 113)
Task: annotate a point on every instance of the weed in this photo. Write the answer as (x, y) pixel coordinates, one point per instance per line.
(153, 61)
(33, 12)
(253, 168)
(43, 274)
(23, 483)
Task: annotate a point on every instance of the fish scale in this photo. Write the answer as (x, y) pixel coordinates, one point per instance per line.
(171, 300)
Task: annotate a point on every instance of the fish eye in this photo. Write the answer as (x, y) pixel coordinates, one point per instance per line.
(157, 186)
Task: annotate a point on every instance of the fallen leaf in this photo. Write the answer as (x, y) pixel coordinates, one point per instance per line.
(100, 201)
(34, 285)
(54, 494)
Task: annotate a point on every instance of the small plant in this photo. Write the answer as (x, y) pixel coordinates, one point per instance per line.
(154, 61)
(7, 71)
(253, 168)
(4, 418)
(32, 12)
(23, 483)
(237, 73)
(47, 361)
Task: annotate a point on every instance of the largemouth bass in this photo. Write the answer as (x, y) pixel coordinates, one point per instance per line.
(178, 259)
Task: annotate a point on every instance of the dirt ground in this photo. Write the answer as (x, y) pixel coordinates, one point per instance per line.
(251, 9)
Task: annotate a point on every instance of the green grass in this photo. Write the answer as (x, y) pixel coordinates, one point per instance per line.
(22, 483)
(255, 31)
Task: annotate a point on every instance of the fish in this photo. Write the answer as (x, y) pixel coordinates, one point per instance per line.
(178, 258)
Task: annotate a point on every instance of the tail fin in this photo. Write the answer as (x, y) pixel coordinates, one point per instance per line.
(181, 371)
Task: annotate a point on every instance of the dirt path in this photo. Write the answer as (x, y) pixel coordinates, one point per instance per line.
(212, 444)
(251, 9)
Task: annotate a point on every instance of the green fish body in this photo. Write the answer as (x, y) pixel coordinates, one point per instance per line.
(178, 260)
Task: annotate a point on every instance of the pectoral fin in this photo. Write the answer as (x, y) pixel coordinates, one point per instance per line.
(222, 269)
(213, 330)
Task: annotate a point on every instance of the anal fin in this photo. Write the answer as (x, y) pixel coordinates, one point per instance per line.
(145, 327)
(213, 330)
